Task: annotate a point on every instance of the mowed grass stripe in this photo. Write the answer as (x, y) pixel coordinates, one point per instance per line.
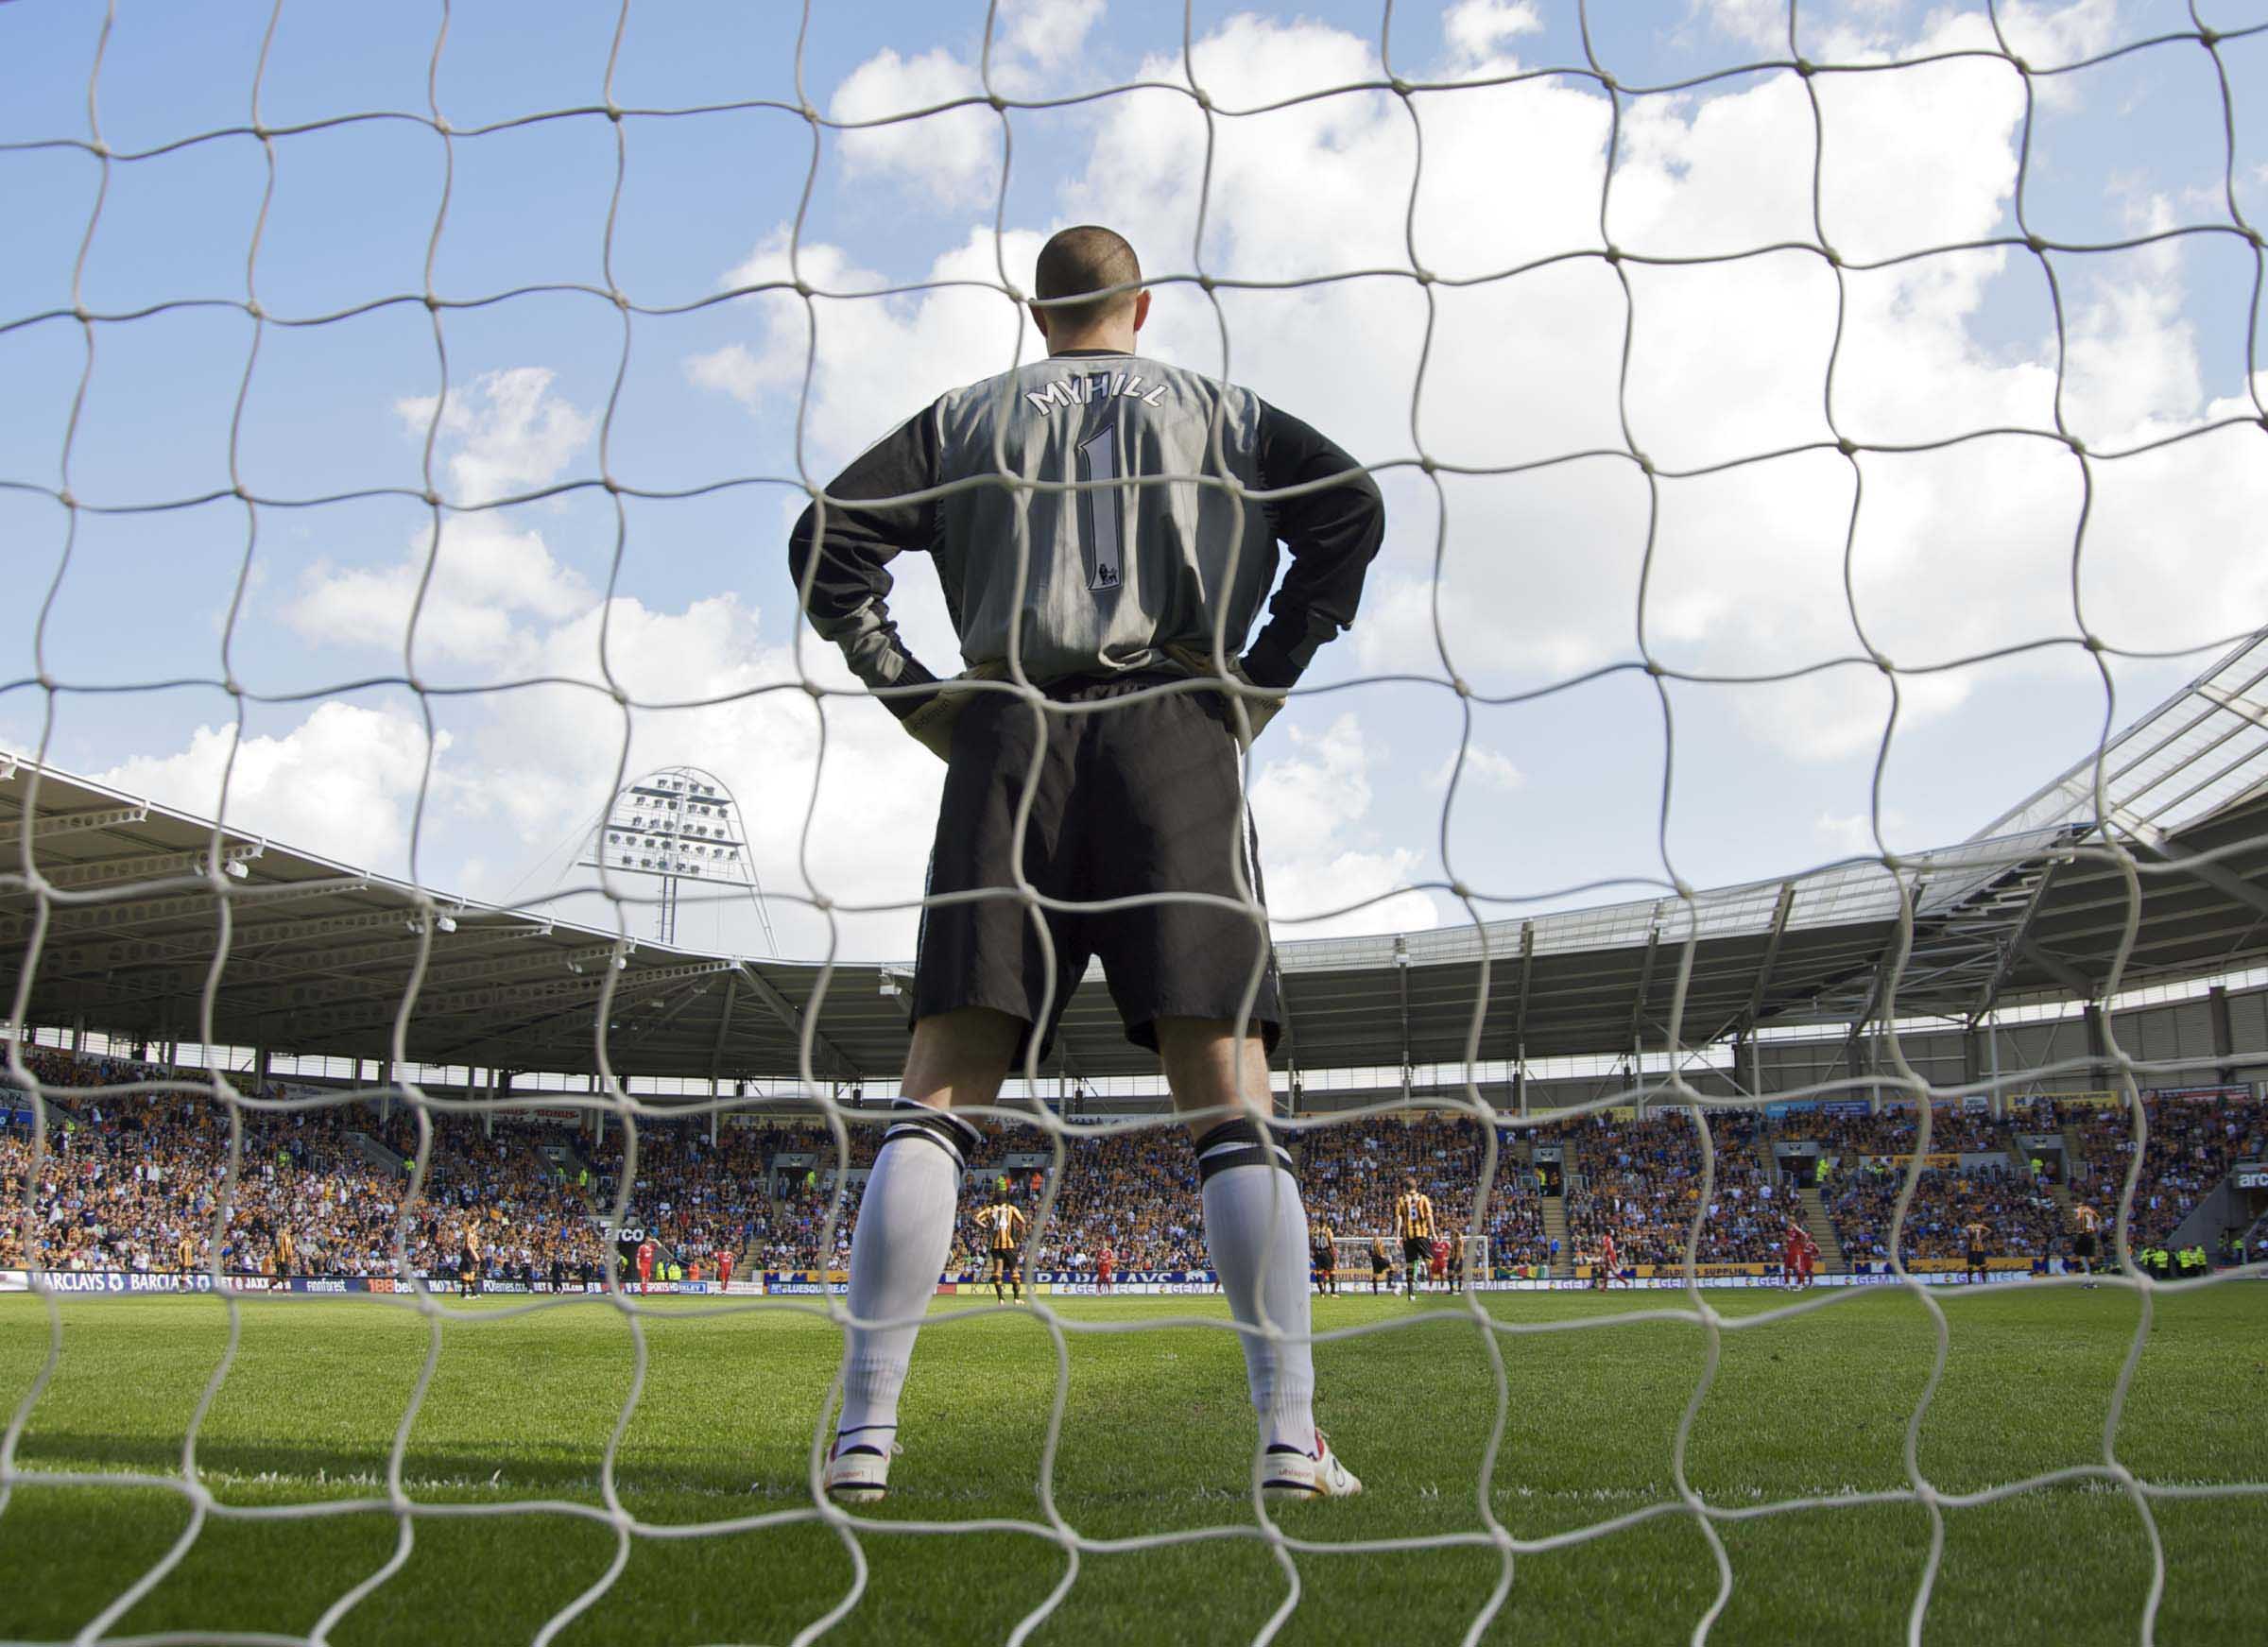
(1156, 1439)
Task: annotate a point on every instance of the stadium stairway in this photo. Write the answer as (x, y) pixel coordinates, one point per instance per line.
(378, 1155)
(1822, 1230)
(2220, 1207)
(567, 1160)
(1554, 1230)
(2072, 1159)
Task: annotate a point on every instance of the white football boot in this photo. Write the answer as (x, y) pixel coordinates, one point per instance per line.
(1292, 1474)
(859, 1474)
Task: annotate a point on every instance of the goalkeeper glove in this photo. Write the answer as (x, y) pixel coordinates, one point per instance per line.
(1260, 704)
(930, 719)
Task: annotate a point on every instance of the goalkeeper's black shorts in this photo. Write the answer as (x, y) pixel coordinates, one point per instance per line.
(1134, 798)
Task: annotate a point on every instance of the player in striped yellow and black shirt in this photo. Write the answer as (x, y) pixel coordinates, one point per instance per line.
(1003, 1224)
(1413, 1223)
(1323, 1256)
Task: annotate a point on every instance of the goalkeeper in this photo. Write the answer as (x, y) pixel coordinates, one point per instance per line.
(1085, 554)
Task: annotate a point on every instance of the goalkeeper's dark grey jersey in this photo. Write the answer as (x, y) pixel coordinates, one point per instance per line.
(1117, 562)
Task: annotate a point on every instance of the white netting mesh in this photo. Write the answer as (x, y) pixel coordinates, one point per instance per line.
(2110, 826)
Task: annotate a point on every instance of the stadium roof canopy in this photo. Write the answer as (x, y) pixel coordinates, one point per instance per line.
(318, 957)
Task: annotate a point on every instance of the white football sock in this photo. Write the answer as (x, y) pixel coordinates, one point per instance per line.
(904, 1230)
(1256, 1231)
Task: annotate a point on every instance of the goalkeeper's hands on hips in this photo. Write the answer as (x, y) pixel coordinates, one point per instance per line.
(929, 719)
(1261, 704)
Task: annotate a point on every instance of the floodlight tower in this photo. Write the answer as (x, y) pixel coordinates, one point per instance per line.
(676, 825)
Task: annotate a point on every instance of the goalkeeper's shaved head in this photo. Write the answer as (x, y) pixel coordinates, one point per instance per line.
(1076, 262)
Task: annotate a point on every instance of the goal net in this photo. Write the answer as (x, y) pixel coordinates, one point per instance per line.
(1791, 776)
(1467, 1261)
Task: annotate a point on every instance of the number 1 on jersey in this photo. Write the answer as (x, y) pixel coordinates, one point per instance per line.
(1098, 510)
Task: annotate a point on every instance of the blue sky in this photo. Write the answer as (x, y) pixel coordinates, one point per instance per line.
(1957, 553)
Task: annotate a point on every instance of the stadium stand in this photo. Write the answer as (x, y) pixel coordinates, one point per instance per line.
(132, 1183)
(2192, 1147)
(2025, 1220)
(1641, 1180)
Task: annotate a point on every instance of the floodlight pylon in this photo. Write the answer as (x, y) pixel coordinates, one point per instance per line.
(678, 824)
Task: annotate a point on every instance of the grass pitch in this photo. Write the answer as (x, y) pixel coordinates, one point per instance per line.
(1157, 1438)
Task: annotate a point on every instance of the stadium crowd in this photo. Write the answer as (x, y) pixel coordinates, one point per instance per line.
(2023, 1216)
(136, 1181)
(2191, 1146)
(1640, 1181)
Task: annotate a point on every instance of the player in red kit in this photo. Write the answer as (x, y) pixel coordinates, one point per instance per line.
(645, 1266)
(1105, 1264)
(1791, 1258)
(724, 1269)
(1607, 1261)
(1807, 1259)
(1438, 1262)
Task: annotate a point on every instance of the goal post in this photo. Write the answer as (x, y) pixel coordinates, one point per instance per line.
(1467, 1258)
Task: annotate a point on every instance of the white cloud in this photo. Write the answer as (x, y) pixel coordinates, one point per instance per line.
(1484, 769)
(343, 783)
(1047, 33)
(1756, 568)
(478, 597)
(1476, 28)
(2046, 35)
(953, 155)
(1851, 834)
(553, 757)
(1957, 551)
(1762, 24)
(511, 434)
(932, 339)
(1322, 865)
(488, 582)
(705, 689)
